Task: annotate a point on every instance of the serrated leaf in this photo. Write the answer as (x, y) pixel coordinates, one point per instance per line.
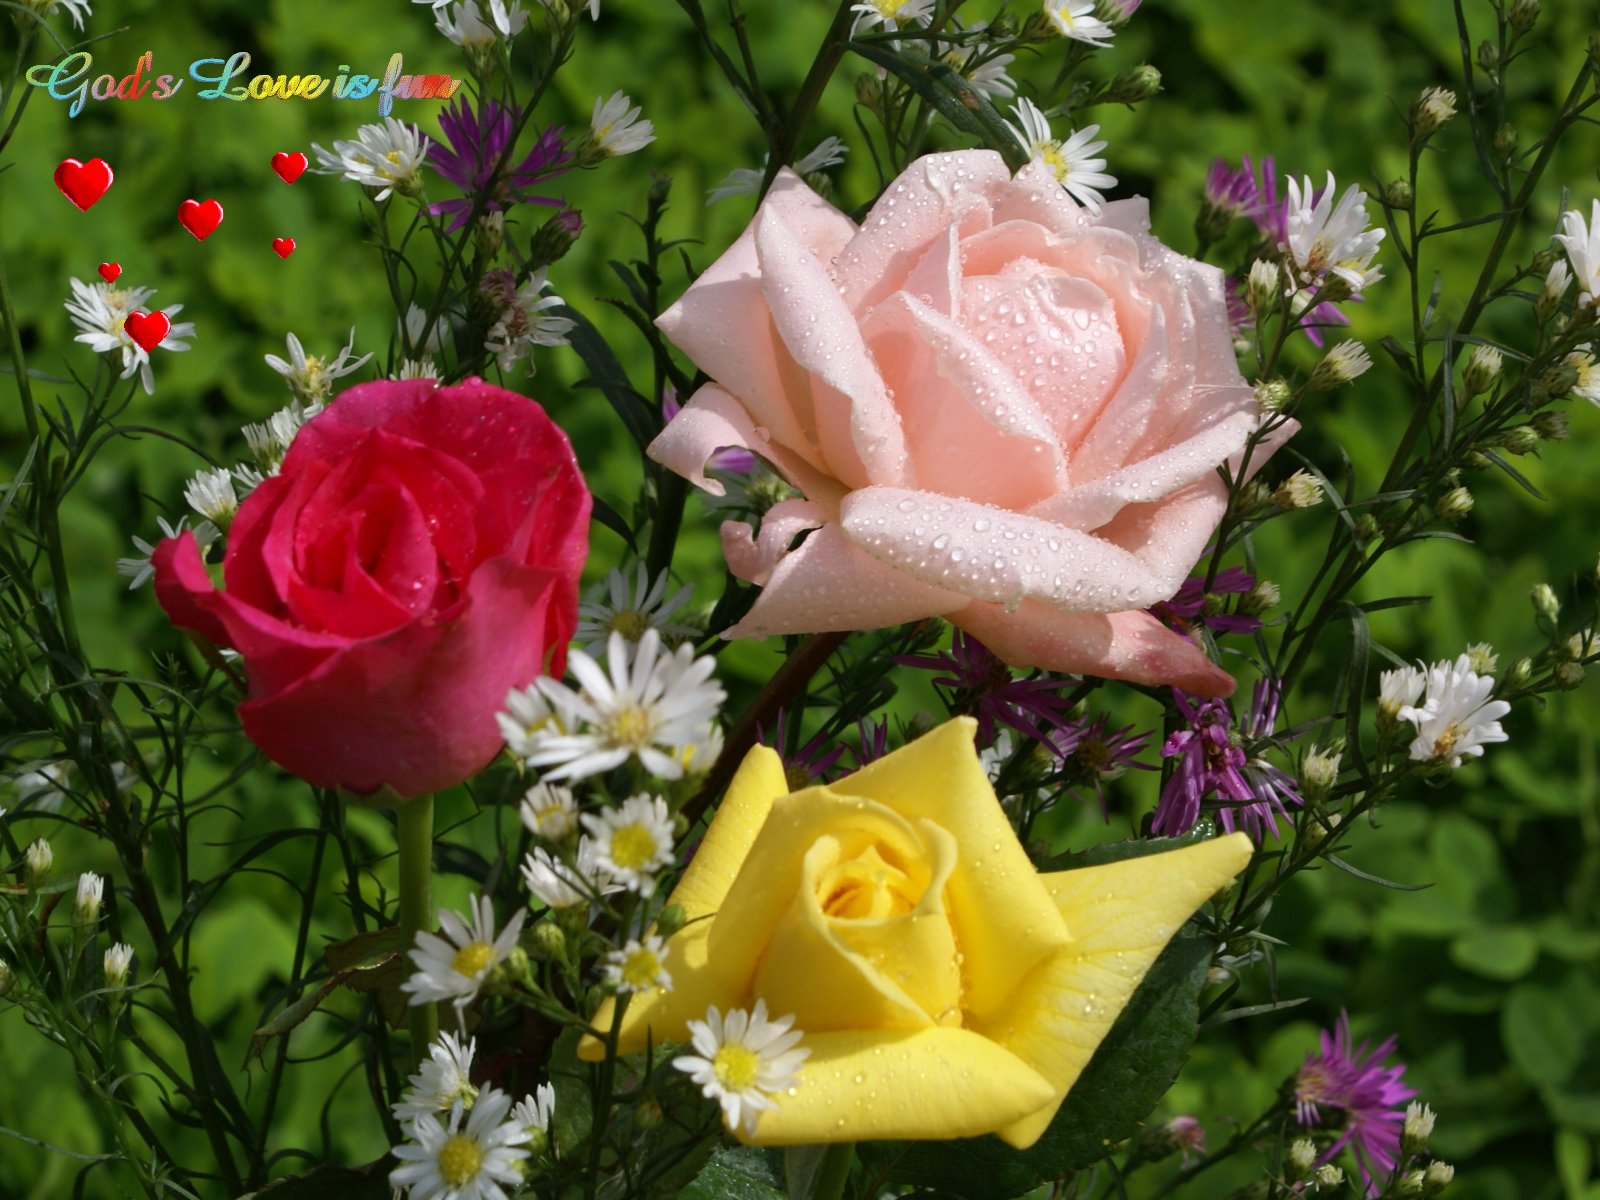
(738, 1173)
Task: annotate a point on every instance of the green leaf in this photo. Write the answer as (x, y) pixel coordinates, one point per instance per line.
(739, 1173)
(1503, 952)
(1130, 1072)
(1539, 1032)
(1572, 1161)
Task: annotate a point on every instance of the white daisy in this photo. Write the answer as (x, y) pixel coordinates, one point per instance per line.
(889, 14)
(76, 9)
(829, 152)
(452, 1162)
(632, 841)
(211, 494)
(388, 157)
(1582, 243)
(38, 858)
(1324, 237)
(417, 368)
(639, 966)
(1399, 689)
(557, 884)
(616, 128)
(86, 907)
(1587, 381)
(530, 717)
(101, 312)
(533, 1112)
(744, 1061)
(630, 614)
(989, 78)
(1071, 161)
(549, 812)
(746, 181)
(442, 1081)
(650, 703)
(466, 27)
(1556, 281)
(115, 963)
(521, 327)
(140, 569)
(1075, 19)
(270, 440)
(454, 969)
(311, 378)
(1458, 717)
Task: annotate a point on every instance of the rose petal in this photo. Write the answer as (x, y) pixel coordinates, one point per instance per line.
(754, 558)
(931, 1083)
(1006, 922)
(1117, 645)
(1122, 916)
(829, 583)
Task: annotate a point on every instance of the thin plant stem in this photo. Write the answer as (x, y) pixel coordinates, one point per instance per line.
(414, 837)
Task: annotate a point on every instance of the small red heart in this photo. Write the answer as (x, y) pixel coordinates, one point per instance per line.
(200, 219)
(148, 330)
(110, 271)
(284, 246)
(83, 183)
(289, 166)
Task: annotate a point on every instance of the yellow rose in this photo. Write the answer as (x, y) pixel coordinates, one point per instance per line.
(945, 988)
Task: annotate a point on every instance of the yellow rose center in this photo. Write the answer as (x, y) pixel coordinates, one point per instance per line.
(640, 969)
(472, 958)
(630, 726)
(633, 847)
(459, 1160)
(871, 886)
(736, 1067)
(630, 623)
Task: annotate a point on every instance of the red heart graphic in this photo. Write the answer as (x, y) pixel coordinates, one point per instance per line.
(289, 166)
(83, 183)
(200, 219)
(284, 246)
(148, 330)
(110, 271)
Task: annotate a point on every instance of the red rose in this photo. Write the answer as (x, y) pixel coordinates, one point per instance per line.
(416, 558)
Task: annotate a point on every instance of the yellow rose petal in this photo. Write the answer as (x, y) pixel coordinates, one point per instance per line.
(1122, 915)
(1005, 921)
(932, 1083)
(759, 781)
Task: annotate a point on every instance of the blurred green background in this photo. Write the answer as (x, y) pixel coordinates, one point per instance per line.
(1489, 978)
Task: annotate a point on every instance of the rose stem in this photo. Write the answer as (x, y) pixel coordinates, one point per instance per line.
(834, 1171)
(414, 838)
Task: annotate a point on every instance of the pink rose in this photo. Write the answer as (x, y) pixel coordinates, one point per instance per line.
(998, 410)
(415, 559)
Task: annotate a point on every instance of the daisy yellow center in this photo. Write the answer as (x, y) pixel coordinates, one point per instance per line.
(460, 1160)
(472, 958)
(736, 1067)
(1050, 154)
(641, 969)
(630, 623)
(890, 8)
(1584, 366)
(629, 727)
(633, 847)
(1445, 744)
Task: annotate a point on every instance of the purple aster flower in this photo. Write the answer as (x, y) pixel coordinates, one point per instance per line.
(1240, 318)
(1250, 793)
(1322, 315)
(1249, 191)
(1188, 608)
(874, 741)
(986, 688)
(730, 458)
(810, 763)
(1369, 1094)
(1099, 753)
(476, 142)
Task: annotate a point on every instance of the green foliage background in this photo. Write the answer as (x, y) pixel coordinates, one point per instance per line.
(1489, 977)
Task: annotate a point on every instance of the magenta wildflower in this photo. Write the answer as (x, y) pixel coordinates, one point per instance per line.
(1190, 606)
(1370, 1095)
(811, 762)
(874, 741)
(1249, 191)
(1250, 792)
(476, 143)
(1240, 318)
(985, 687)
(729, 458)
(1092, 753)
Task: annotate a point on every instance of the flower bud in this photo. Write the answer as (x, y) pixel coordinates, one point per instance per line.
(38, 858)
(1521, 671)
(1263, 596)
(1038, 28)
(1346, 361)
(1273, 394)
(1319, 772)
(1551, 425)
(1437, 1176)
(1399, 195)
(86, 909)
(1488, 56)
(1264, 286)
(1252, 496)
(1418, 1127)
(555, 237)
(1477, 461)
(649, 1115)
(1116, 12)
(1559, 379)
(1569, 676)
(1367, 529)
(549, 942)
(1482, 659)
(1002, 28)
(1320, 830)
(869, 92)
(1545, 605)
(1435, 106)
(1520, 439)
(1524, 15)
(1328, 1176)
(672, 919)
(1133, 85)
(1505, 139)
(1300, 490)
(1483, 367)
(489, 234)
(1453, 505)
(1411, 1183)
(1164, 1140)
(115, 963)
(1302, 1154)
(1557, 278)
